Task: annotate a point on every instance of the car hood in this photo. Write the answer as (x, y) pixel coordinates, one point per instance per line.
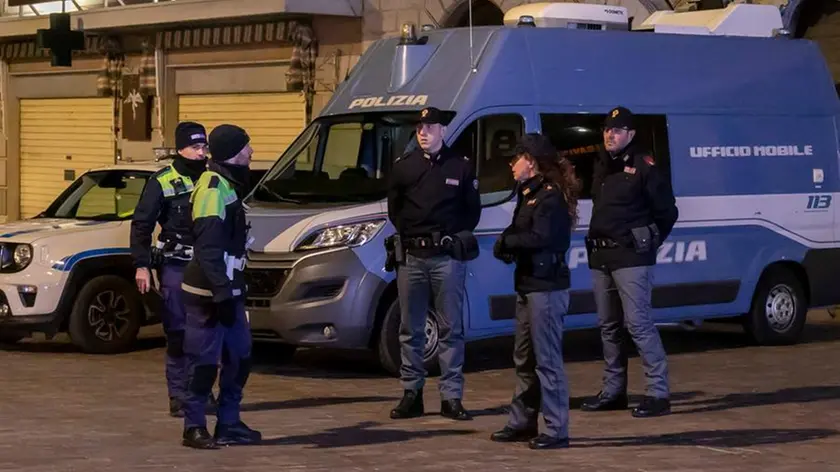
(29, 231)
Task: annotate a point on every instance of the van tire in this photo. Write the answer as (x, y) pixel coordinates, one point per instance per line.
(388, 346)
(107, 307)
(779, 309)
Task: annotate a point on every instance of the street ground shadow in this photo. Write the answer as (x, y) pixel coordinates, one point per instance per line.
(716, 438)
(746, 400)
(313, 402)
(361, 434)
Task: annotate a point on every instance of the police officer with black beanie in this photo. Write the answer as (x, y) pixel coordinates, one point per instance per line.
(214, 294)
(165, 200)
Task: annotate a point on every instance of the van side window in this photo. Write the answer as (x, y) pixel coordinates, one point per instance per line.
(489, 142)
(580, 139)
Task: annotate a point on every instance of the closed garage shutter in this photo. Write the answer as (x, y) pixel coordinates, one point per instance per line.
(273, 120)
(51, 130)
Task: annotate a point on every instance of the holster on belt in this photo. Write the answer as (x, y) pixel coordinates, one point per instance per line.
(394, 252)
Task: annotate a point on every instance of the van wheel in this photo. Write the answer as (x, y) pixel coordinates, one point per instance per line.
(389, 342)
(779, 310)
(106, 316)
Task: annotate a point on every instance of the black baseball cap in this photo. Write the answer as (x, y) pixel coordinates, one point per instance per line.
(619, 117)
(434, 116)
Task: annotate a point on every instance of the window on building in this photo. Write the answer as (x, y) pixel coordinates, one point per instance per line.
(580, 139)
(489, 142)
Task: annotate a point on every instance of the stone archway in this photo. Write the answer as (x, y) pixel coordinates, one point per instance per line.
(484, 12)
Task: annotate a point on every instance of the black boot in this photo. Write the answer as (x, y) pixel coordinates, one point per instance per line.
(508, 434)
(176, 408)
(454, 409)
(199, 438)
(236, 434)
(411, 405)
(650, 407)
(603, 402)
(544, 441)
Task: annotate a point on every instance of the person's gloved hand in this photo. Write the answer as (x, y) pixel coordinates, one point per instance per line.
(226, 312)
(500, 253)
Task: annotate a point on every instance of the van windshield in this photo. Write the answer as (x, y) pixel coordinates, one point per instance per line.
(337, 160)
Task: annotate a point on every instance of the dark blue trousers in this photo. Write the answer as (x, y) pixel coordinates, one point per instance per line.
(173, 318)
(210, 338)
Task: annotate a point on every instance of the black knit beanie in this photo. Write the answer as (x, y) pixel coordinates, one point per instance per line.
(188, 133)
(226, 141)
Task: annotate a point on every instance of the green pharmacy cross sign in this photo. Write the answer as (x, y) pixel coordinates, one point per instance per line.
(60, 40)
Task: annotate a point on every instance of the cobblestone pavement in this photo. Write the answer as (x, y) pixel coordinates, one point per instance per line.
(737, 408)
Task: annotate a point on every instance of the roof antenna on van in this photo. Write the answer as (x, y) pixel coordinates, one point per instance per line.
(472, 60)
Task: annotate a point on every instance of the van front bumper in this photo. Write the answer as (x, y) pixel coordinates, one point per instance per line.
(322, 299)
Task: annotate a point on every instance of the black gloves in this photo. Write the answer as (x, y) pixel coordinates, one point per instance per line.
(500, 252)
(226, 312)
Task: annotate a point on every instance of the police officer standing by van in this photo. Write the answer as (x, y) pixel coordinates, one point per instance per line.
(537, 241)
(434, 204)
(165, 200)
(217, 326)
(633, 212)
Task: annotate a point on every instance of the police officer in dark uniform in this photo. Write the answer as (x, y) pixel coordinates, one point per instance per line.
(434, 204)
(214, 294)
(537, 241)
(165, 200)
(633, 212)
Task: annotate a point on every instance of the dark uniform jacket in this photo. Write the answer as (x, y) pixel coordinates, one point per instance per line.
(628, 192)
(538, 238)
(428, 194)
(165, 200)
(220, 230)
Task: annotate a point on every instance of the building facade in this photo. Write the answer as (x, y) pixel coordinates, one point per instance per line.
(266, 65)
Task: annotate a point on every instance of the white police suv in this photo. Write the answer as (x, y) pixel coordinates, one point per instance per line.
(69, 268)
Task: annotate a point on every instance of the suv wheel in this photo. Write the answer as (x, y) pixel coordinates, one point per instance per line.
(106, 316)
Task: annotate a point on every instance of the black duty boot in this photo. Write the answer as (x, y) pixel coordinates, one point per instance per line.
(176, 408)
(199, 438)
(411, 405)
(508, 434)
(603, 402)
(544, 441)
(454, 409)
(650, 407)
(236, 434)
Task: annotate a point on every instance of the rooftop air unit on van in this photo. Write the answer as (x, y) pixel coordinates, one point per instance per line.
(568, 15)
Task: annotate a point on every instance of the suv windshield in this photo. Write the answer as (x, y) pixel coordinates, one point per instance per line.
(338, 161)
(101, 195)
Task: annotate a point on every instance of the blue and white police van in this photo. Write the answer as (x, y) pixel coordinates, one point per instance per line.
(743, 120)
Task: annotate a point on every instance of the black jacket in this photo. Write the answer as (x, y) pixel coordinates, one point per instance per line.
(538, 238)
(219, 229)
(428, 194)
(165, 200)
(628, 192)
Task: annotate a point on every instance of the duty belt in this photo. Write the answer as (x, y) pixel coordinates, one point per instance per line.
(170, 250)
(426, 242)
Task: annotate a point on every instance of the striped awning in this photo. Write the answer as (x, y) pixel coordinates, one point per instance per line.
(280, 31)
(28, 49)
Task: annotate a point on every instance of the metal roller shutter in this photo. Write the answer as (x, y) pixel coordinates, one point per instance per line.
(273, 120)
(57, 135)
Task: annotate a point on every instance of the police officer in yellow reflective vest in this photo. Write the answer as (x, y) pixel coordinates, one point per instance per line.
(214, 294)
(165, 200)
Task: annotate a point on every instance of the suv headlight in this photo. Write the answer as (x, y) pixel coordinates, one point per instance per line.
(350, 235)
(15, 257)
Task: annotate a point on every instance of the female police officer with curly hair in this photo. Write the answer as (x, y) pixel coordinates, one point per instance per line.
(537, 241)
